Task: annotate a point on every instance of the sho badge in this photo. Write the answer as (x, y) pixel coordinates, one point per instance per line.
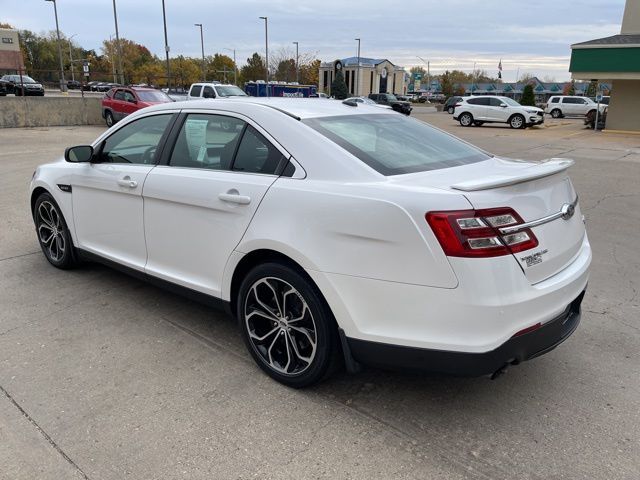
(534, 258)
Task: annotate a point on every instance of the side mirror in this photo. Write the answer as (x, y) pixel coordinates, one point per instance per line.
(78, 154)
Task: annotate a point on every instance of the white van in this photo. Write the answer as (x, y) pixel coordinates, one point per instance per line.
(214, 90)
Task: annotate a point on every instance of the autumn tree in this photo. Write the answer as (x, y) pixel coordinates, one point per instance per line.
(220, 67)
(185, 71)
(310, 72)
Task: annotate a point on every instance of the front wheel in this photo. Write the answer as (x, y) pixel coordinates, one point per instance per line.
(517, 121)
(53, 234)
(466, 119)
(555, 113)
(287, 326)
(108, 118)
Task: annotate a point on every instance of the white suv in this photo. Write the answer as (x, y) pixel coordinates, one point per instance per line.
(214, 90)
(561, 106)
(493, 109)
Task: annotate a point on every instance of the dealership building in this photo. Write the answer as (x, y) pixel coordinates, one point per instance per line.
(616, 58)
(364, 76)
(10, 56)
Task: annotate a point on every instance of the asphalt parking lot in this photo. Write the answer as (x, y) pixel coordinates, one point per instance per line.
(105, 377)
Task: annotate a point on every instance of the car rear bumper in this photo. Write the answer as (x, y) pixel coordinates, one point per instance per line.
(517, 349)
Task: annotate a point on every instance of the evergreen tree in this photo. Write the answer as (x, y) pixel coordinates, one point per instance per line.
(339, 87)
(528, 98)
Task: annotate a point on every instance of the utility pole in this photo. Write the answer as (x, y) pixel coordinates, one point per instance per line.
(235, 66)
(357, 92)
(115, 18)
(266, 49)
(73, 78)
(297, 63)
(166, 44)
(204, 70)
(63, 85)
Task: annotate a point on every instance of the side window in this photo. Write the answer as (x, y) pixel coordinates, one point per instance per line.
(128, 96)
(555, 100)
(569, 100)
(136, 142)
(495, 102)
(195, 90)
(207, 141)
(478, 101)
(208, 92)
(119, 95)
(256, 154)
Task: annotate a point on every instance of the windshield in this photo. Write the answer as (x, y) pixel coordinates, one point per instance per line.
(510, 101)
(25, 79)
(230, 91)
(153, 96)
(391, 98)
(394, 144)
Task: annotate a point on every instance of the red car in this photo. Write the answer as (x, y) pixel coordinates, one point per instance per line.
(121, 101)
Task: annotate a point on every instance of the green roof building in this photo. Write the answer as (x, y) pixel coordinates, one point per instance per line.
(615, 58)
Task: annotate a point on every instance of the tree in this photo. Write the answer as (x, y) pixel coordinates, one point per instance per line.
(528, 98)
(419, 70)
(592, 89)
(339, 87)
(254, 69)
(526, 77)
(286, 70)
(220, 67)
(446, 84)
(310, 72)
(185, 70)
(569, 88)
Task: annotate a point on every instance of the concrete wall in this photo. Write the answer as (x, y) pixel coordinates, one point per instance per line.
(49, 111)
(625, 105)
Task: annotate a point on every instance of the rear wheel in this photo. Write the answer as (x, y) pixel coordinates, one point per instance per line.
(466, 119)
(517, 121)
(287, 326)
(556, 113)
(108, 117)
(53, 234)
(450, 110)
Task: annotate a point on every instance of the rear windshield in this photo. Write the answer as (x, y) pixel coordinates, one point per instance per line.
(153, 96)
(395, 144)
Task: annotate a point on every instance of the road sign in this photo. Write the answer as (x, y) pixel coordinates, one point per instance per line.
(417, 76)
(599, 97)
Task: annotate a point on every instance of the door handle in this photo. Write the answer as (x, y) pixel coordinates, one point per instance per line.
(127, 182)
(232, 196)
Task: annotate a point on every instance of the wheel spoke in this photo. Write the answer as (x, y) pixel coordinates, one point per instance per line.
(305, 332)
(302, 315)
(44, 215)
(264, 305)
(265, 336)
(45, 232)
(297, 353)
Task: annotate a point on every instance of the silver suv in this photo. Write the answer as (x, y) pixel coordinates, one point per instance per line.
(567, 105)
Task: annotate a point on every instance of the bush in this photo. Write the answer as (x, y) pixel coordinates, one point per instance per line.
(339, 87)
(528, 98)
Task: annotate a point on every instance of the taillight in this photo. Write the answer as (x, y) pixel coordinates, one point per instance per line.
(474, 233)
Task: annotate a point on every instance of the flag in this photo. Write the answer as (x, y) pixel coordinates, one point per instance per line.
(500, 69)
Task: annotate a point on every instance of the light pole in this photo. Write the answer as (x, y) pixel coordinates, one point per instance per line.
(73, 78)
(357, 92)
(235, 66)
(297, 63)
(63, 85)
(118, 47)
(266, 48)
(166, 45)
(204, 71)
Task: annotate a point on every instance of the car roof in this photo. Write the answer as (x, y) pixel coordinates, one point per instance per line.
(300, 108)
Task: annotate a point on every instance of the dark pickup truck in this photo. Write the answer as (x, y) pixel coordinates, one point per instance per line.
(392, 101)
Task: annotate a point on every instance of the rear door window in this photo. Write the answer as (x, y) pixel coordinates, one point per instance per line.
(478, 101)
(555, 100)
(195, 90)
(256, 155)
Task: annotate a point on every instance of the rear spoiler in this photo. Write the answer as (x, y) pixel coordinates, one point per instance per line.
(537, 170)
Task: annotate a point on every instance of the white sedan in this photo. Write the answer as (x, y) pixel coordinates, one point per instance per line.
(333, 233)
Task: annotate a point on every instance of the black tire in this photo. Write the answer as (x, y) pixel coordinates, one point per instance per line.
(108, 118)
(478, 124)
(269, 336)
(450, 110)
(53, 234)
(517, 121)
(556, 113)
(466, 119)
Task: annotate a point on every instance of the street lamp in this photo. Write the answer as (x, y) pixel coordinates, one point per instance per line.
(357, 92)
(63, 85)
(204, 72)
(166, 45)
(266, 48)
(235, 66)
(73, 78)
(297, 63)
(118, 47)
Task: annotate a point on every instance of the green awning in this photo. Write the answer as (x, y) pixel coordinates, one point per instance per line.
(616, 60)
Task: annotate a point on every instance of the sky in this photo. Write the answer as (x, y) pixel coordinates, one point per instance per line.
(529, 36)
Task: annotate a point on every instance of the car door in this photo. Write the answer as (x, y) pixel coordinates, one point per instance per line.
(494, 111)
(199, 203)
(130, 103)
(568, 106)
(208, 92)
(478, 108)
(117, 104)
(107, 193)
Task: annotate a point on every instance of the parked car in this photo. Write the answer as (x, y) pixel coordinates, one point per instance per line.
(214, 90)
(122, 101)
(90, 86)
(450, 104)
(5, 87)
(106, 86)
(569, 105)
(494, 109)
(177, 94)
(275, 209)
(367, 101)
(74, 85)
(22, 85)
(392, 101)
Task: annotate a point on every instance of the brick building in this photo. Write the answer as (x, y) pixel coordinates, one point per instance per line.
(11, 60)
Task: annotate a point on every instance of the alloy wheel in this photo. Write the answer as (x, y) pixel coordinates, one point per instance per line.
(280, 326)
(51, 231)
(517, 122)
(466, 120)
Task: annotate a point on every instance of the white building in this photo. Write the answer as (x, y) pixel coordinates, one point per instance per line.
(371, 76)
